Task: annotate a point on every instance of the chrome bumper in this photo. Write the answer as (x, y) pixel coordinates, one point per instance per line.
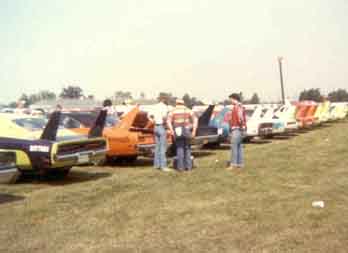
(8, 173)
(265, 131)
(146, 149)
(80, 157)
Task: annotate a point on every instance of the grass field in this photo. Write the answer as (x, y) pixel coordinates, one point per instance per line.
(265, 208)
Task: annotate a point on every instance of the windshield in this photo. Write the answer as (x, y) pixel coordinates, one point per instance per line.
(31, 124)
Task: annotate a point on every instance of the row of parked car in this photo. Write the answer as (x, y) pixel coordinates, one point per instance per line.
(268, 120)
(54, 143)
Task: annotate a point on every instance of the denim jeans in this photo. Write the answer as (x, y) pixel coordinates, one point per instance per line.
(160, 160)
(183, 154)
(183, 150)
(237, 148)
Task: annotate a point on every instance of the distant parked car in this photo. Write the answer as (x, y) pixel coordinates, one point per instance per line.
(279, 124)
(256, 127)
(287, 114)
(7, 110)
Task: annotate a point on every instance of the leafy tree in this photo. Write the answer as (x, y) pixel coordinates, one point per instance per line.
(12, 105)
(73, 92)
(122, 96)
(191, 101)
(253, 100)
(169, 98)
(24, 97)
(196, 101)
(187, 100)
(340, 95)
(311, 94)
(241, 96)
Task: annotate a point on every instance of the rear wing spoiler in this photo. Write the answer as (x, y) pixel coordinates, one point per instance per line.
(204, 119)
(51, 129)
(99, 124)
(128, 119)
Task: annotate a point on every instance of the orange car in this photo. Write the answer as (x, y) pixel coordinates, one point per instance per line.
(132, 136)
(310, 113)
(305, 113)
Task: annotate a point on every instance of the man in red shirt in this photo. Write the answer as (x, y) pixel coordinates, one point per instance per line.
(238, 127)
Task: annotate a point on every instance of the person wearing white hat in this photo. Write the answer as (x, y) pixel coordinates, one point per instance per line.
(182, 124)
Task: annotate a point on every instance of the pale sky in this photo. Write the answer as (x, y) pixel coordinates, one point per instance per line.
(206, 48)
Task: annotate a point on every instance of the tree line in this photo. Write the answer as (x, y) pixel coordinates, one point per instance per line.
(339, 95)
(76, 92)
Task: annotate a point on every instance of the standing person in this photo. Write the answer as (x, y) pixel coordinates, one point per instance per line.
(182, 124)
(238, 126)
(158, 117)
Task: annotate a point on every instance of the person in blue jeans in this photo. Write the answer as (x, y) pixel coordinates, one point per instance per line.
(238, 127)
(183, 151)
(237, 149)
(182, 124)
(160, 159)
(158, 117)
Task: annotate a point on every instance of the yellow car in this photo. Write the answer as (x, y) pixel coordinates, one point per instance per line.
(40, 149)
(323, 115)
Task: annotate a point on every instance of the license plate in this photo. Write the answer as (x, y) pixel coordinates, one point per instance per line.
(220, 131)
(83, 159)
(205, 142)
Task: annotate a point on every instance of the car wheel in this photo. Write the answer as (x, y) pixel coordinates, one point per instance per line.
(59, 173)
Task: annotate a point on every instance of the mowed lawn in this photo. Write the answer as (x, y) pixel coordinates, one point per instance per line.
(267, 207)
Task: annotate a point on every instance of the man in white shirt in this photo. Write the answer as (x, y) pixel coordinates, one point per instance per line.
(158, 116)
(112, 116)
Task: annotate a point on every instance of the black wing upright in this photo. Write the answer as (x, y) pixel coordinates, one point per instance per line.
(204, 119)
(51, 129)
(98, 127)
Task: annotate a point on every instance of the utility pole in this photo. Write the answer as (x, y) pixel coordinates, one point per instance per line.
(280, 59)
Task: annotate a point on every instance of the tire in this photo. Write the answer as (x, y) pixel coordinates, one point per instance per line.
(59, 173)
(247, 139)
(212, 145)
(130, 159)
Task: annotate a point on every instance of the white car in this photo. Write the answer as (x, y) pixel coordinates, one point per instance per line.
(268, 115)
(256, 126)
(287, 113)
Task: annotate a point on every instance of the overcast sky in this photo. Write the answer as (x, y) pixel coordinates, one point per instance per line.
(206, 48)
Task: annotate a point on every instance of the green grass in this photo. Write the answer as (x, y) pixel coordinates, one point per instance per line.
(264, 208)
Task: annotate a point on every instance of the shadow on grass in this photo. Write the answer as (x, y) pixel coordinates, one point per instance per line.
(304, 130)
(7, 198)
(73, 177)
(202, 153)
(140, 162)
(292, 134)
(259, 142)
(282, 137)
(224, 146)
